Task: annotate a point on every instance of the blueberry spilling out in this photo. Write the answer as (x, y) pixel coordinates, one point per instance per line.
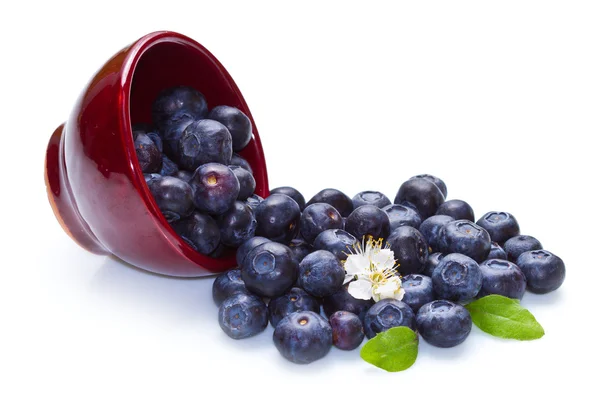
(246, 180)
(502, 277)
(544, 271)
(432, 261)
(410, 249)
(277, 217)
(201, 231)
(344, 301)
(400, 215)
(292, 193)
(368, 220)
(237, 225)
(497, 252)
(431, 227)
(457, 278)
(518, 245)
(347, 330)
(317, 218)
(418, 290)
(237, 123)
(370, 198)
(444, 324)
(247, 247)
(337, 242)
(500, 225)
(321, 274)
(300, 249)
(269, 269)
(243, 315)
(303, 337)
(294, 300)
(457, 209)
(336, 199)
(465, 237)
(435, 180)
(228, 284)
(423, 194)
(386, 314)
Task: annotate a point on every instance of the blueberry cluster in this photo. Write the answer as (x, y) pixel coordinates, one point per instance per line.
(292, 272)
(204, 189)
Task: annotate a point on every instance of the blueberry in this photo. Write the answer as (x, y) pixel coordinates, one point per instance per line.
(228, 284)
(418, 290)
(173, 196)
(237, 225)
(300, 249)
(246, 180)
(237, 160)
(269, 269)
(344, 301)
(336, 199)
(184, 175)
(423, 194)
(544, 271)
(204, 141)
(368, 220)
(247, 247)
(317, 218)
(242, 316)
(386, 314)
(278, 216)
(151, 177)
(172, 137)
(457, 278)
(152, 135)
(347, 330)
(501, 277)
(410, 249)
(518, 245)
(432, 261)
(169, 168)
(430, 228)
(254, 201)
(338, 242)
(434, 179)
(496, 252)
(303, 337)
(238, 124)
(215, 188)
(201, 230)
(294, 300)
(177, 104)
(444, 324)
(370, 198)
(500, 225)
(457, 209)
(149, 157)
(400, 215)
(321, 274)
(465, 237)
(292, 193)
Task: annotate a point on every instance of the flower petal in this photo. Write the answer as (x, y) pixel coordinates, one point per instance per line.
(356, 264)
(384, 259)
(360, 289)
(392, 289)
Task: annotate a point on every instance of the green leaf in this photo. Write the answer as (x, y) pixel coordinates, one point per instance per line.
(393, 350)
(505, 318)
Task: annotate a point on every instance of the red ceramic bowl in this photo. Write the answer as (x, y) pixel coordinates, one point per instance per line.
(94, 183)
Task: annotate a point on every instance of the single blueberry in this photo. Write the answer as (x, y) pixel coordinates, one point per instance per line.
(269, 269)
(242, 316)
(338, 242)
(457, 278)
(278, 216)
(172, 137)
(292, 193)
(177, 104)
(344, 301)
(368, 220)
(294, 300)
(501, 277)
(410, 249)
(173, 196)
(430, 228)
(386, 314)
(519, 244)
(423, 194)
(237, 160)
(228, 284)
(457, 209)
(321, 274)
(247, 247)
(496, 252)
(432, 261)
(254, 201)
(300, 249)
(500, 225)
(149, 157)
(317, 218)
(215, 188)
(237, 225)
(303, 337)
(347, 330)
(336, 199)
(201, 230)
(545, 272)
(246, 180)
(418, 290)
(400, 215)
(465, 237)
(444, 324)
(434, 179)
(151, 134)
(370, 198)
(204, 141)
(238, 124)
(169, 168)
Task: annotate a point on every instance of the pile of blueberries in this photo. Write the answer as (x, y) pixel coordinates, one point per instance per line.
(291, 252)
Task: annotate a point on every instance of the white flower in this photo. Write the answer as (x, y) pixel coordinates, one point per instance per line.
(371, 271)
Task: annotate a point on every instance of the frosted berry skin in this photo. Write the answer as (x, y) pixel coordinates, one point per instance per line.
(201, 231)
(247, 247)
(254, 201)
(303, 337)
(465, 237)
(237, 225)
(418, 290)
(204, 141)
(292, 193)
(294, 300)
(317, 218)
(172, 137)
(215, 188)
(430, 228)
(400, 215)
(335, 198)
(344, 301)
(148, 155)
(370, 198)
(424, 195)
(501, 277)
(269, 269)
(432, 261)
(545, 272)
(169, 168)
(434, 179)
(238, 124)
(368, 220)
(176, 104)
(496, 252)
(457, 278)
(410, 249)
(237, 160)
(518, 245)
(337, 242)
(443, 323)
(246, 180)
(500, 225)
(321, 274)
(347, 330)
(457, 209)
(278, 217)
(173, 196)
(242, 316)
(386, 314)
(228, 284)
(300, 249)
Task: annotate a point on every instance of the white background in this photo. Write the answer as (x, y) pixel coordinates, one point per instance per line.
(499, 99)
